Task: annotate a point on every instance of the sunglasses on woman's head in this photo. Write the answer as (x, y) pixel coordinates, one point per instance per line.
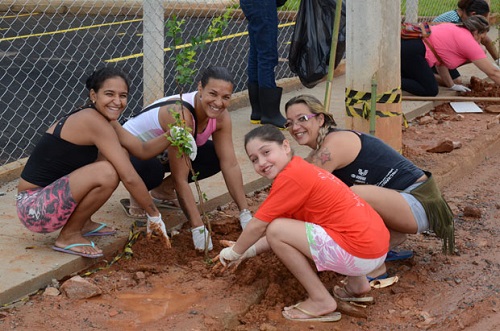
(301, 119)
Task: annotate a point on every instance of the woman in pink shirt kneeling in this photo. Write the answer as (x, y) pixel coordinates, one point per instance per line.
(448, 47)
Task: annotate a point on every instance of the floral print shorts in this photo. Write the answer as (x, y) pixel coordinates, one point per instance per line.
(328, 255)
(46, 209)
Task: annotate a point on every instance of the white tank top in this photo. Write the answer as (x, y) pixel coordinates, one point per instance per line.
(147, 126)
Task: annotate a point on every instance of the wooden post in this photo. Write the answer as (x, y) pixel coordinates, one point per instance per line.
(373, 52)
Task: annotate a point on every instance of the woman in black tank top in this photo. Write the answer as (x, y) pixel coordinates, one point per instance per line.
(376, 172)
(78, 164)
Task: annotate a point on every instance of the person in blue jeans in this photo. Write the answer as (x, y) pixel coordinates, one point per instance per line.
(264, 95)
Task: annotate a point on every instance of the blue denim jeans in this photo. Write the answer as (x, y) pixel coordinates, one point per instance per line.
(262, 17)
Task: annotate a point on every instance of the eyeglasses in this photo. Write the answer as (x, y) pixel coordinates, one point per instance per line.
(301, 119)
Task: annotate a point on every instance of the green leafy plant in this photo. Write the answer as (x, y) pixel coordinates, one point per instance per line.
(185, 58)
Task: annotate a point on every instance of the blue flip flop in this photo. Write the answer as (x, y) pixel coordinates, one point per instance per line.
(401, 255)
(382, 276)
(68, 250)
(96, 232)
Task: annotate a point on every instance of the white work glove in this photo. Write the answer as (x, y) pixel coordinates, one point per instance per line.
(229, 257)
(245, 217)
(177, 132)
(155, 224)
(200, 235)
(460, 88)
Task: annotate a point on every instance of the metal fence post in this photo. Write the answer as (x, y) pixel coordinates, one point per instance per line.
(153, 40)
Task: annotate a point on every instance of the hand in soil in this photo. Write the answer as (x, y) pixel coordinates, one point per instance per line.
(230, 266)
(155, 225)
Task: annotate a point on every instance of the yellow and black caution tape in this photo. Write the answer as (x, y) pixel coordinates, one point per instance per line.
(353, 97)
(127, 252)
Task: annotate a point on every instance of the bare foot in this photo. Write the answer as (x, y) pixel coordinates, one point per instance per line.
(378, 272)
(343, 293)
(163, 195)
(135, 210)
(165, 191)
(396, 239)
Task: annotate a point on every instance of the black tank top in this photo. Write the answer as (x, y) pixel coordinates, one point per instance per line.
(54, 157)
(379, 164)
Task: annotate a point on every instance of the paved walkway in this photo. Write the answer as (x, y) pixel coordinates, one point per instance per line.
(28, 263)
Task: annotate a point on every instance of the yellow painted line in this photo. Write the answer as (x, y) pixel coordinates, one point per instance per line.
(69, 30)
(168, 49)
(21, 15)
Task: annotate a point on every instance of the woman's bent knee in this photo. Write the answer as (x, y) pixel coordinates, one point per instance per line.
(106, 174)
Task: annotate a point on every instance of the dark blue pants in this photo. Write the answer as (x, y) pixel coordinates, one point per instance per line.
(262, 17)
(153, 171)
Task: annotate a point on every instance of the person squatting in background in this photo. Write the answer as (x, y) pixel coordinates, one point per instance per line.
(406, 197)
(205, 114)
(310, 215)
(78, 163)
(447, 47)
(467, 8)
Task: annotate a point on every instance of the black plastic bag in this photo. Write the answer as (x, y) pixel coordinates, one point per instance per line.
(312, 38)
(280, 3)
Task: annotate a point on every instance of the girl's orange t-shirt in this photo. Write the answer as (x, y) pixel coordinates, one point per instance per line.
(305, 192)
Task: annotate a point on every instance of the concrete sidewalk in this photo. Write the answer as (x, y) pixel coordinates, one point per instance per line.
(28, 263)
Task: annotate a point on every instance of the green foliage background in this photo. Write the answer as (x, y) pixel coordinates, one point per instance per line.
(426, 7)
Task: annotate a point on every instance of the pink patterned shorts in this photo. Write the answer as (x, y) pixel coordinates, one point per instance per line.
(328, 255)
(46, 209)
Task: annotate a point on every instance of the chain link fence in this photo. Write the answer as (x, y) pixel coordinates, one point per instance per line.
(48, 48)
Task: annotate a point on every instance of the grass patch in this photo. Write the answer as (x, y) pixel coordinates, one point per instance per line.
(425, 7)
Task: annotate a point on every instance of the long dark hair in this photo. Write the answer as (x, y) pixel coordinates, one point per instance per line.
(98, 77)
(267, 132)
(476, 23)
(478, 7)
(214, 72)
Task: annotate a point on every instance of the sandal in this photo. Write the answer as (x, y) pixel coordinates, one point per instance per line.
(125, 203)
(328, 317)
(381, 283)
(350, 297)
(168, 204)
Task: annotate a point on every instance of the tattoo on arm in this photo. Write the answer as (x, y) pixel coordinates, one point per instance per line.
(323, 156)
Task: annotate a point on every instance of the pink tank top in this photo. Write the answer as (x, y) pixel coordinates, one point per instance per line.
(201, 138)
